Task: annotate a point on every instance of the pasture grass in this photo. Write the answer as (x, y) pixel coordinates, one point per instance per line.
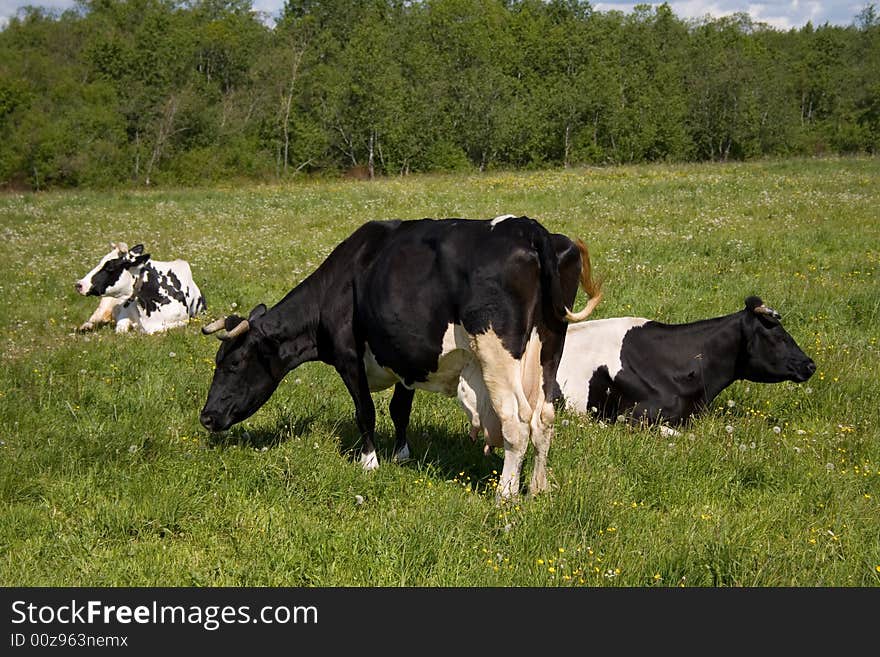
(107, 478)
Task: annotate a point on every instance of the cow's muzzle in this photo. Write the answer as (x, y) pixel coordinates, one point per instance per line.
(805, 371)
(212, 423)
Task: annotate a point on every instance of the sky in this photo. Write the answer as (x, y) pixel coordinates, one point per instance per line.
(781, 14)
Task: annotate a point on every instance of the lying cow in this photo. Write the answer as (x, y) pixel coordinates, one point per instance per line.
(649, 371)
(139, 293)
(410, 304)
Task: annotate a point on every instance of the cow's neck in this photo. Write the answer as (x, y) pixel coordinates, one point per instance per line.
(716, 363)
(293, 324)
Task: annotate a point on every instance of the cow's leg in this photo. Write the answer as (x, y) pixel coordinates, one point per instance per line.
(126, 316)
(400, 407)
(355, 378)
(503, 380)
(541, 424)
(542, 435)
(474, 398)
(103, 314)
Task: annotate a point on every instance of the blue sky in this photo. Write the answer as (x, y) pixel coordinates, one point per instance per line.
(782, 14)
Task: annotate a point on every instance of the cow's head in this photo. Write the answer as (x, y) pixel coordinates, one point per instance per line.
(770, 354)
(246, 370)
(115, 274)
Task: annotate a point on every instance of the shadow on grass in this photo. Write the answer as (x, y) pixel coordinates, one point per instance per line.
(262, 438)
(434, 451)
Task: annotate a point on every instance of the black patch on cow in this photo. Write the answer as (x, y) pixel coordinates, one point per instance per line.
(602, 395)
(107, 276)
(152, 291)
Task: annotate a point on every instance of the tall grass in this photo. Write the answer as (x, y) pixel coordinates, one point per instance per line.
(107, 478)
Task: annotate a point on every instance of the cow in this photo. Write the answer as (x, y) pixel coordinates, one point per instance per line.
(410, 304)
(650, 372)
(140, 293)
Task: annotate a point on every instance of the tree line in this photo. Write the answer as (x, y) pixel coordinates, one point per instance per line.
(145, 92)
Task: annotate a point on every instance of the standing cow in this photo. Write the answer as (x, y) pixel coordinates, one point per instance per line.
(410, 304)
(139, 293)
(649, 371)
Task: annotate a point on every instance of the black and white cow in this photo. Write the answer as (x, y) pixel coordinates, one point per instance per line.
(648, 371)
(140, 293)
(410, 304)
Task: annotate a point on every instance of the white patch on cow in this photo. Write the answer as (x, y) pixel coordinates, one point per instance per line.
(497, 220)
(473, 397)
(588, 346)
(455, 354)
(378, 377)
(480, 402)
(126, 317)
(509, 382)
(369, 460)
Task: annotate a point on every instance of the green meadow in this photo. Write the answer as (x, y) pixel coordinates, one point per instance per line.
(108, 479)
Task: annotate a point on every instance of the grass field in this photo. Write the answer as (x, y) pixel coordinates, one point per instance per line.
(107, 478)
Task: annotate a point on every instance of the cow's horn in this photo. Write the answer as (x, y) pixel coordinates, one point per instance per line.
(122, 247)
(242, 327)
(766, 310)
(214, 326)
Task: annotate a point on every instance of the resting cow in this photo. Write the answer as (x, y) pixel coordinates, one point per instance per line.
(648, 371)
(139, 293)
(410, 304)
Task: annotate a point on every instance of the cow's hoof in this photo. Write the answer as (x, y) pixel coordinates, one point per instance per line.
(369, 461)
(668, 432)
(85, 328)
(402, 456)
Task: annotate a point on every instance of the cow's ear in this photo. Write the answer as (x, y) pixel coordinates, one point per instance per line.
(753, 302)
(137, 249)
(139, 260)
(258, 311)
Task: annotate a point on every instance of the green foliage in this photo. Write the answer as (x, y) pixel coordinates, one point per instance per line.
(107, 478)
(392, 87)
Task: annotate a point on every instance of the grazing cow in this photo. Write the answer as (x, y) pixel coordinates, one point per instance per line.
(410, 304)
(649, 371)
(139, 293)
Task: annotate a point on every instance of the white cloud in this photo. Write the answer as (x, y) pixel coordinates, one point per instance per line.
(782, 14)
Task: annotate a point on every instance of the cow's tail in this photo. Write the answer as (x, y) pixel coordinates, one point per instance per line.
(591, 286)
(550, 280)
